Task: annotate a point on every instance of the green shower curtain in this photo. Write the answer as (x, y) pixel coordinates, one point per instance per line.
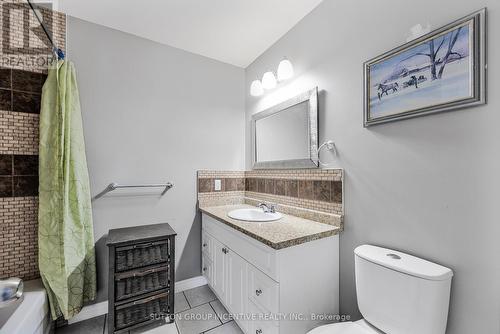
(65, 229)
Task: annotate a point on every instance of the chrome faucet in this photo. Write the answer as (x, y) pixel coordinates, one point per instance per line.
(267, 207)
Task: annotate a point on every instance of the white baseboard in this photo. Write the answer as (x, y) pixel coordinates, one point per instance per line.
(190, 283)
(95, 310)
(90, 311)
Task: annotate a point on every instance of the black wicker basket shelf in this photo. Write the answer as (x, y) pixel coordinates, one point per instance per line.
(141, 276)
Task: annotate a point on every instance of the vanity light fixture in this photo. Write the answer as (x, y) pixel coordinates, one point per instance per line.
(269, 80)
(285, 70)
(256, 88)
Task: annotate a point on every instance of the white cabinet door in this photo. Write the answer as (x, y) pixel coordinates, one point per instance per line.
(207, 269)
(219, 277)
(207, 245)
(236, 292)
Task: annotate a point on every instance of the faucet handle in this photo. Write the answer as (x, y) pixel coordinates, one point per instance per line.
(267, 207)
(263, 206)
(272, 207)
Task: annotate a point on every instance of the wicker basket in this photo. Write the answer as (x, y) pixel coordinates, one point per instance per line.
(141, 255)
(142, 310)
(130, 284)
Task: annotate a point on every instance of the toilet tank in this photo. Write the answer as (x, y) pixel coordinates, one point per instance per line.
(401, 294)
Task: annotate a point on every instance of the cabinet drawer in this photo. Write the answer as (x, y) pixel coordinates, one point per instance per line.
(141, 310)
(262, 290)
(141, 255)
(207, 245)
(140, 281)
(261, 322)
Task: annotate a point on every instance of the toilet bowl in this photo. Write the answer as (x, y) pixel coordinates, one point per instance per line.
(397, 293)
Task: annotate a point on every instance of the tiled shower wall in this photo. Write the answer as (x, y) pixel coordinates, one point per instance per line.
(23, 68)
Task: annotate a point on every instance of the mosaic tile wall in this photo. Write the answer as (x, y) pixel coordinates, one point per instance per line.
(24, 62)
(18, 237)
(312, 194)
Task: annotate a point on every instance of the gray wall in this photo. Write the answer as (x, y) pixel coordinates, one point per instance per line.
(153, 113)
(428, 186)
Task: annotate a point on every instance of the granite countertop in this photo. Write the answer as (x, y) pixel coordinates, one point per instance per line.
(285, 232)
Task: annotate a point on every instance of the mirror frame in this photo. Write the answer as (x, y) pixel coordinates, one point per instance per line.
(312, 162)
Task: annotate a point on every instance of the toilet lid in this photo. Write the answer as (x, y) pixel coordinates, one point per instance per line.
(341, 328)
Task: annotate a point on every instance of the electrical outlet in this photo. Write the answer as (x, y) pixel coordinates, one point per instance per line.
(217, 185)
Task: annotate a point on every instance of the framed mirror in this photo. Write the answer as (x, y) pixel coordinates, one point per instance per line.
(286, 135)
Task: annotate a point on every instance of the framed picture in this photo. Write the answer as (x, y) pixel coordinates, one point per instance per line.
(442, 70)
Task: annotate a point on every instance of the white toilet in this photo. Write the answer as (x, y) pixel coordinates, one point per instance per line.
(397, 294)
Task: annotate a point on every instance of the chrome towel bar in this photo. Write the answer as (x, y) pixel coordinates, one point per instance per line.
(114, 186)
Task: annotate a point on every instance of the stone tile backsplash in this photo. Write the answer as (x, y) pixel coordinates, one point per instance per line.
(308, 193)
(232, 188)
(206, 185)
(318, 190)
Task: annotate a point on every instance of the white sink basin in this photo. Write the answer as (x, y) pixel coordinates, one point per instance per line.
(254, 215)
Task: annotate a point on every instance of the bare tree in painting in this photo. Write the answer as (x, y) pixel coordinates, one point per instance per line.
(450, 52)
(433, 54)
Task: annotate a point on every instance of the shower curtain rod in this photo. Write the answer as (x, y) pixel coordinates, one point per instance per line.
(58, 51)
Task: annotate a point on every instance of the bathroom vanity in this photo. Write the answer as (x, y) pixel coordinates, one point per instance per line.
(272, 275)
(270, 245)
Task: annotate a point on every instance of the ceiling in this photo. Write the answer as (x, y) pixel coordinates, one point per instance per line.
(231, 31)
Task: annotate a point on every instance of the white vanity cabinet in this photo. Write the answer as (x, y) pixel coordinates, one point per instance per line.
(272, 291)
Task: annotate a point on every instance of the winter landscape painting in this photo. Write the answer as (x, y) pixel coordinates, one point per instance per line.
(432, 73)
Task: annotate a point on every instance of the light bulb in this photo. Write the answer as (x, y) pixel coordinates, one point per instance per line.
(268, 80)
(256, 88)
(285, 70)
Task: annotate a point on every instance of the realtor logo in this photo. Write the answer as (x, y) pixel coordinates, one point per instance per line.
(22, 34)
